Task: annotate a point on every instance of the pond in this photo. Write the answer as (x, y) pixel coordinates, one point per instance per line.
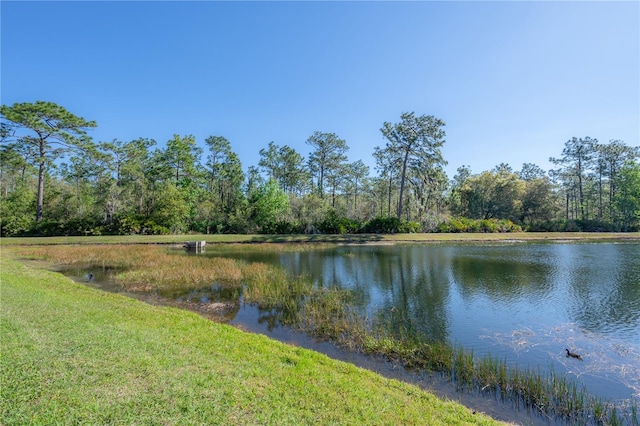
(525, 303)
(522, 302)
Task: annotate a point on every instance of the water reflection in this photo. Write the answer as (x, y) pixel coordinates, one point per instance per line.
(506, 273)
(604, 289)
(524, 303)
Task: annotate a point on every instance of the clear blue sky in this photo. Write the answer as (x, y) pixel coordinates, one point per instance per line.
(512, 80)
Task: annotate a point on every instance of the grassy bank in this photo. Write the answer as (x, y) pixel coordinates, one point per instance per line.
(73, 355)
(356, 238)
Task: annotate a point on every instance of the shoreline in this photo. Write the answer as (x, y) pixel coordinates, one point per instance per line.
(387, 239)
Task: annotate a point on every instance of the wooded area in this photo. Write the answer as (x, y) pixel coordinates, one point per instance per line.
(55, 180)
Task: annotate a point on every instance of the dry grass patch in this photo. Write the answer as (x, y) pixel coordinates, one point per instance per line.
(149, 267)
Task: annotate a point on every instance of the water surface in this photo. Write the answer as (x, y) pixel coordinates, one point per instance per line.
(522, 302)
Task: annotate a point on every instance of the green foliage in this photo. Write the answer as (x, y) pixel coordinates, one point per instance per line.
(134, 224)
(81, 226)
(336, 224)
(124, 187)
(382, 225)
(269, 203)
(51, 131)
(390, 225)
(577, 225)
(576, 157)
(308, 209)
(627, 200)
(333, 223)
(224, 177)
(285, 165)
(170, 212)
(413, 143)
(17, 212)
(492, 194)
(127, 225)
(327, 158)
(463, 224)
(538, 200)
(280, 227)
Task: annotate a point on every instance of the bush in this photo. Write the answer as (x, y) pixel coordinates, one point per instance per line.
(334, 224)
(390, 225)
(574, 226)
(382, 225)
(48, 228)
(81, 226)
(135, 224)
(125, 225)
(407, 227)
(150, 227)
(280, 227)
(464, 224)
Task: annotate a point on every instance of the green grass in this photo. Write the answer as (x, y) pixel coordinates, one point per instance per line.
(73, 355)
(357, 238)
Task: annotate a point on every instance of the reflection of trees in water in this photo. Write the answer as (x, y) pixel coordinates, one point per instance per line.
(342, 268)
(415, 291)
(503, 273)
(604, 286)
(593, 285)
(403, 287)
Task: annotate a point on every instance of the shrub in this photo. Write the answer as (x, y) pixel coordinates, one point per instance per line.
(150, 227)
(280, 227)
(382, 225)
(390, 225)
(81, 226)
(335, 224)
(126, 225)
(464, 224)
(573, 226)
(407, 227)
(48, 228)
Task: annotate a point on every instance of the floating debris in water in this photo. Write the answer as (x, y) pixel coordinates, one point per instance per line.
(607, 357)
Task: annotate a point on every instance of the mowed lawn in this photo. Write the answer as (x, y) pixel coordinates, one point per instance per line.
(70, 354)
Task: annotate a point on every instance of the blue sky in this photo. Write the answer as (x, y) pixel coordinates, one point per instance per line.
(513, 81)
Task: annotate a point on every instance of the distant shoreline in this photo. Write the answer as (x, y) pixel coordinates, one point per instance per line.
(513, 237)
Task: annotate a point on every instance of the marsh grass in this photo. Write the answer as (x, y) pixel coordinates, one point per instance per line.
(148, 267)
(330, 314)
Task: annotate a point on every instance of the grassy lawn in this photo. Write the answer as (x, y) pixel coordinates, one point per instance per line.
(73, 355)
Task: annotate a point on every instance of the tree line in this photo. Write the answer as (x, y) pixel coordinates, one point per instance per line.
(55, 180)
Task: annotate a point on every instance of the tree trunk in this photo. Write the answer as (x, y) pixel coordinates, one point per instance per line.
(355, 197)
(41, 169)
(389, 195)
(402, 178)
(321, 183)
(600, 211)
(580, 189)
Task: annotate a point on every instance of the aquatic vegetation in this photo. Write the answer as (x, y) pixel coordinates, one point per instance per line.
(148, 267)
